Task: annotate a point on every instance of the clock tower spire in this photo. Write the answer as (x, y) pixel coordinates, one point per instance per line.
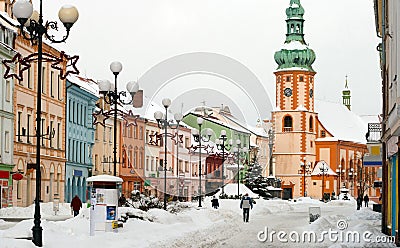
(294, 119)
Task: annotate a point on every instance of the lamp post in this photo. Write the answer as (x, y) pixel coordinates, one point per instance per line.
(323, 169)
(113, 97)
(164, 123)
(339, 171)
(221, 145)
(68, 15)
(240, 152)
(305, 169)
(198, 137)
(271, 145)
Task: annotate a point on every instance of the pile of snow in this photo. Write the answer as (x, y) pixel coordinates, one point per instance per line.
(231, 189)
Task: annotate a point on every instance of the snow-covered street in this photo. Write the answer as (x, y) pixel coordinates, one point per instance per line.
(191, 226)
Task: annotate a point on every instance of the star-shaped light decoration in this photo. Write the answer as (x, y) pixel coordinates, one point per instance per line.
(24, 63)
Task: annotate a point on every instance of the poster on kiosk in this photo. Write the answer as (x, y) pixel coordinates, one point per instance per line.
(104, 194)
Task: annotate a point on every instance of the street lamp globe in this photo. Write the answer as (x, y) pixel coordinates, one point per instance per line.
(158, 115)
(104, 85)
(245, 149)
(132, 87)
(238, 142)
(178, 117)
(68, 15)
(199, 120)
(166, 102)
(223, 133)
(22, 9)
(116, 67)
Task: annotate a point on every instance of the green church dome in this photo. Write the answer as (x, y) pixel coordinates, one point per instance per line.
(295, 53)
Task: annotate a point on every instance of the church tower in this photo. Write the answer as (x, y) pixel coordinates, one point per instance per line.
(294, 117)
(346, 95)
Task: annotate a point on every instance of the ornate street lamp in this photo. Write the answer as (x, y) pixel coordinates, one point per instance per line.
(340, 172)
(221, 145)
(164, 123)
(271, 145)
(323, 170)
(199, 137)
(112, 97)
(33, 24)
(239, 152)
(305, 169)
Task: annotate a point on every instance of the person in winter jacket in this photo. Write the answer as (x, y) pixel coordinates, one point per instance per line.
(359, 202)
(76, 205)
(366, 200)
(246, 203)
(214, 202)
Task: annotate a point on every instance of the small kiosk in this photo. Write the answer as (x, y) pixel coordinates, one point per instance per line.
(104, 193)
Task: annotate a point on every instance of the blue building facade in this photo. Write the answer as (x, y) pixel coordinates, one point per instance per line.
(82, 94)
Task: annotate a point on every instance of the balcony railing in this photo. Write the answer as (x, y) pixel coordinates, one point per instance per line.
(374, 132)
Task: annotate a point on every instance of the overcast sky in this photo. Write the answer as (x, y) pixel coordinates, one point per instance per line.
(143, 33)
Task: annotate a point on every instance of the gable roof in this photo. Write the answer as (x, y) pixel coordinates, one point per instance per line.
(342, 123)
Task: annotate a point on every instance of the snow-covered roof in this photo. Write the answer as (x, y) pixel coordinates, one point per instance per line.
(104, 178)
(322, 168)
(86, 84)
(342, 123)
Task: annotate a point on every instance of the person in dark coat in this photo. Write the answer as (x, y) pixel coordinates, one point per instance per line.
(366, 200)
(359, 202)
(76, 205)
(214, 202)
(246, 203)
(122, 201)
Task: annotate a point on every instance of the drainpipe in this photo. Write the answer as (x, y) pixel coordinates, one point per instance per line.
(384, 119)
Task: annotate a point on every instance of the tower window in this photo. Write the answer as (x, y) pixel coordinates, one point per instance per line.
(287, 124)
(287, 79)
(311, 124)
(301, 79)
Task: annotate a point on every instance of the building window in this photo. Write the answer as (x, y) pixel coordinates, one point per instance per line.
(28, 127)
(7, 141)
(287, 124)
(311, 124)
(288, 79)
(141, 133)
(58, 135)
(50, 132)
(187, 142)
(135, 135)
(323, 133)
(140, 160)
(301, 79)
(28, 79)
(135, 157)
(8, 91)
(42, 130)
(59, 90)
(19, 116)
(52, 84)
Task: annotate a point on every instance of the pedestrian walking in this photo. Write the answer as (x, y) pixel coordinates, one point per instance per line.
(359, 202)
(122, 200)
(214, 202)
(366, 200)
(76, 205)
(246, 203)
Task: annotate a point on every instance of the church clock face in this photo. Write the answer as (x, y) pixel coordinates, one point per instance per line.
(311, 93)
(287, 92)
